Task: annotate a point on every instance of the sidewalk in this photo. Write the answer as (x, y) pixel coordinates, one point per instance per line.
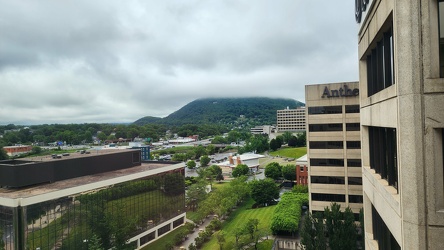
(195, 234)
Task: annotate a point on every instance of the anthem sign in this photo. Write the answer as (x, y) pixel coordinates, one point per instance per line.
(341, 92)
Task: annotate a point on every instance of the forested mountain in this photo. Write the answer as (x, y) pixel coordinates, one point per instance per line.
(257, 110)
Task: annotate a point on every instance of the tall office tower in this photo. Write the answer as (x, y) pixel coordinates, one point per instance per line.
(334, 146)
(401, 68)
(291, 120)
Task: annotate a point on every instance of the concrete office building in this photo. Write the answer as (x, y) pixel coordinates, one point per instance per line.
(333, 146)
(48, 203)
(401, 62)
(292, 120)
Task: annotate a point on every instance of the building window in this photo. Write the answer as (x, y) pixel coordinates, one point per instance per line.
(321, 110)
(380, 64)
(355, 181)
(355, 199)
(354, 163)
(383, 153)
(164, 229)
(441, 37)
(328, 197)
(327, 180)
(326, 145)
(351, 108)
(353, 126)
(327, 162)
(353, 144)
(325, 127)
(136, 157)
(382, 234)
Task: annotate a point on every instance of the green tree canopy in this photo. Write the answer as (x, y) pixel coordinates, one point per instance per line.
(3, 154)
(273, 170)
(191, 164)
(289, 172)
(204, 160)
(264, 191)
(240, 170)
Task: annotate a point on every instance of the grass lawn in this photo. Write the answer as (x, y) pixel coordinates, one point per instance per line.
(238, 219)
(290, 152)
(264, 245)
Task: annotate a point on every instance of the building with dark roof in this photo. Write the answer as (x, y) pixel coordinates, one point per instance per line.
(109, 196)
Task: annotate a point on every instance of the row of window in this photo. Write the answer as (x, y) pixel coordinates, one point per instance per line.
(322, 110)
(335, 180)
(380, 63)
(334, 144)
(335, 162)
(331, 127)
(383, 155)
(336, 198)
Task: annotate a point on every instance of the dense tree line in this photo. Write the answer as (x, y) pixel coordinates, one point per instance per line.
(83, 133)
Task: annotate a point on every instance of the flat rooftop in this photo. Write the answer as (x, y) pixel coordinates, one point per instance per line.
(26, 192)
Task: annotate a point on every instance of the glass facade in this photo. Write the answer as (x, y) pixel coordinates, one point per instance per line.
(111, 215)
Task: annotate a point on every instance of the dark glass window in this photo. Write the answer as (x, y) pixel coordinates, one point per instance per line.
(353, 144)
(325, 127)
(355, 199)
(326, 145)
(382, 234)
(327, 162)
(327, 180)
(325, 110)
(136, 157)
(441, 37)
(380, 64)
(328, 197)
(353, 162)
(353, 126)
(351, 108)
(178, 222)
(163, 230)
(354, 180)
(147, 238)
(383, 153)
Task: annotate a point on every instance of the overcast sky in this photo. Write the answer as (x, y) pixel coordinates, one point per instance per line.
(117, 61)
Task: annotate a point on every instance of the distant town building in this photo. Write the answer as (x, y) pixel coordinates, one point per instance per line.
(291, 120)
(249, 159)
(265, 129)
(17, 150)
(302, 171)
(334, 145)
(48, 203)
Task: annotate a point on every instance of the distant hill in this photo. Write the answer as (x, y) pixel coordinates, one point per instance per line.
(257, 110)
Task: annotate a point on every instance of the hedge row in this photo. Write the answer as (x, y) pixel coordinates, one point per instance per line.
(288, 212)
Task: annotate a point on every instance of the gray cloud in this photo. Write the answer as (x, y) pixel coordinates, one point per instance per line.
(108, 61)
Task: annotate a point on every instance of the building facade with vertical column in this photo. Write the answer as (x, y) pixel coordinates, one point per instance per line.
(401, 62)
(333, 145)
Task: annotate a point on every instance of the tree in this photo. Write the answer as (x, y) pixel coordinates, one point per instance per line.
(3, 154)
(94, 243)
(273, 171)
(289, 172)
(220, 239)
(36, 150)
(240, 170)
(101, 136)
(274, 145)
(264, 191)
(293, 141)
(191, 164)
(195, 194)
(286, 136)
(199, 151)
(251, 227)
(211, 149)
(204, 160)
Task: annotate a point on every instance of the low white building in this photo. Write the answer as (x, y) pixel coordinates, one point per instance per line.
(249, 159)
